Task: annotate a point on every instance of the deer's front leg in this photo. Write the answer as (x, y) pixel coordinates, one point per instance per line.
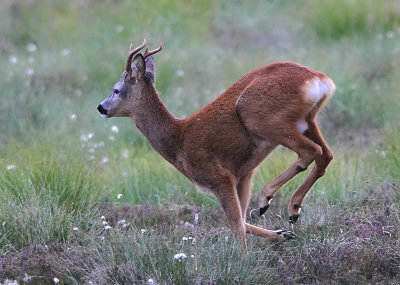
(228, 197)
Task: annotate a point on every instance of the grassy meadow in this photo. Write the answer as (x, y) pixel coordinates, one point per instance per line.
(63, 167)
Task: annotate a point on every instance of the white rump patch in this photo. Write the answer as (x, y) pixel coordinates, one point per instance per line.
(302, 126)
(316, 88)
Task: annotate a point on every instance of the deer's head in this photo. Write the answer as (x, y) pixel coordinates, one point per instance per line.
(139, 73)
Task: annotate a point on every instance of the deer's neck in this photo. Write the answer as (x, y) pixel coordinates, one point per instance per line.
(157, 124)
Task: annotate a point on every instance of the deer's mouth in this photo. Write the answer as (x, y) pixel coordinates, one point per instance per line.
(103, 111)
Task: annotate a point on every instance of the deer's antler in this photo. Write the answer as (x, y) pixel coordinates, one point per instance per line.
(148, 53)
(132, 52)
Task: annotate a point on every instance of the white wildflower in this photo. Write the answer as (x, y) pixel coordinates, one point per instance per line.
(102, 238)
(196, 218)
(104, 223)
(13, 59)
(65, 52)
(90, 136)
(119, 196)
(121, 222)
(84, 138)
(125, 154)
(226, 239)
(184, 239)
(102, 218)
(180, 256)
(31, 47)
(27, 278)
(29, 72)
(73, 117)
(75, 229)
(192, 256)
(10, 167)
(143, 231)
(119, 29)
(194, 241)
(78, 93)
(107, 228)
(114, 129)
(180, 73)
(10, 282)
(56, 281)
(104, 160)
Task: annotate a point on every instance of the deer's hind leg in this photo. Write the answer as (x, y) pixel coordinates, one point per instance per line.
(307, 152)
(321, 163)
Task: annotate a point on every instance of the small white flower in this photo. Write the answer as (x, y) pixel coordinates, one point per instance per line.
(104, 223)
(226, 239)
(180, 256)
(119, 29)
(390, 34)
(27, 278)
(180, 73)
(73, 117)
(119, 196)
(31, 47)
(143, 231)
(196, 218)
(13, 59)
(65, 52)
(29, 72)
(121, 221)
(75, 229)
(192, 256)
(102, 238)
(114, 129)
(125, 154)
(184, 239)
(190, 238)
(194, 241)
(10, 167)
(102, 218)
(78, 93)
(56, 281)
(111, 138)
(104, 160)
(107, 228)
(90, 136)
(84, 138)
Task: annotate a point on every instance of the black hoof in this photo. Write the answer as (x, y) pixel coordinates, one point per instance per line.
(293, 218)
(263, 209)
(288, 235)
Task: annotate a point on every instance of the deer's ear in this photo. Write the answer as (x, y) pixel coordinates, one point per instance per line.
(137, 67)
(150, 69)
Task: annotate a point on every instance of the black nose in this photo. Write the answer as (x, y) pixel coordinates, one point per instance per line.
(102, 110)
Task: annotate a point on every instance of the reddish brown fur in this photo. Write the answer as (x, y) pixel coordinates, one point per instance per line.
(219, 146)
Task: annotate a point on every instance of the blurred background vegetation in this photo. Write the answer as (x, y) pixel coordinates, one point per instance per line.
(59, 160)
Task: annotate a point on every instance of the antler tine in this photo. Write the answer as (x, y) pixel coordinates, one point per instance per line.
(148, 53)
(131, 53)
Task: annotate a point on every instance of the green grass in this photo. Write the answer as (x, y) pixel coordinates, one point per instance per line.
(61, 166)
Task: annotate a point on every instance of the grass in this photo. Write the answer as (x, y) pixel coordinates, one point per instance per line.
(62, 166)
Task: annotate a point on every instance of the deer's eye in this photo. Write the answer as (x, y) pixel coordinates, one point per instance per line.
(116, 91)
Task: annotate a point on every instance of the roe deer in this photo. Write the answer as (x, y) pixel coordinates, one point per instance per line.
(218, 147)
